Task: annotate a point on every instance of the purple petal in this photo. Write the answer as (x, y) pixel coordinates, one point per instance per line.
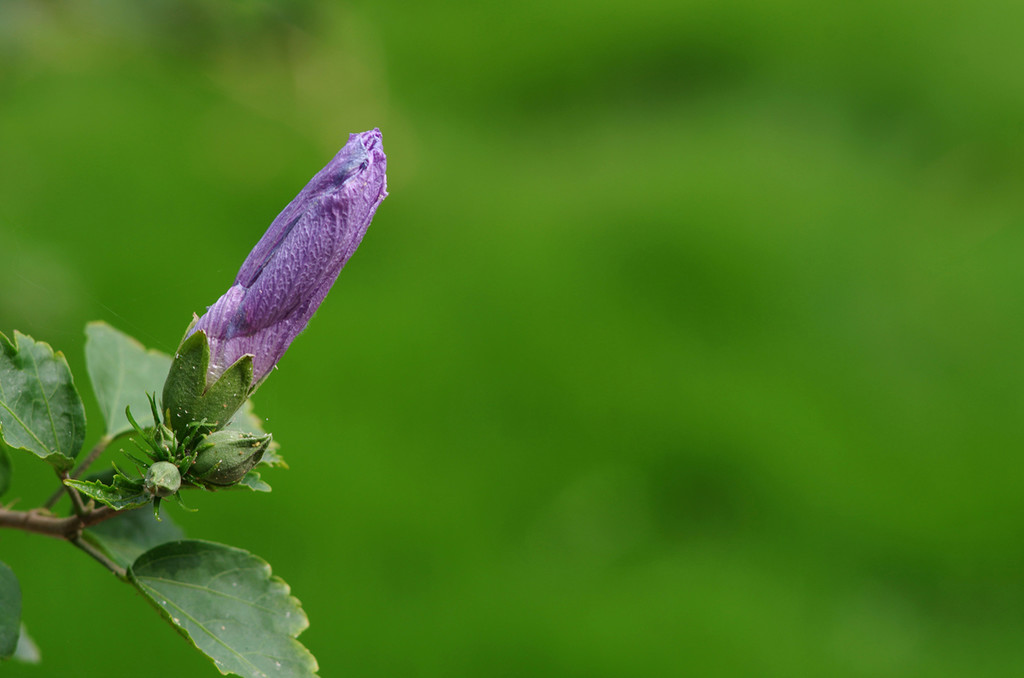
(287, 275)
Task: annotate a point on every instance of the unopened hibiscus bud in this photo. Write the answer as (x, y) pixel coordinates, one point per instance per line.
(280, 285)
(289, 272)
(223, 458)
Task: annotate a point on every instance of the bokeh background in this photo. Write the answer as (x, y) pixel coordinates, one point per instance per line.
(689, 341)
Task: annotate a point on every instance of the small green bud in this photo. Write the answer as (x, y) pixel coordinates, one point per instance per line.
(224, 457)
(162, 479)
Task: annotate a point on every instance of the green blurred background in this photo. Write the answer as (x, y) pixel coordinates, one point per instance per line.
(689, 341)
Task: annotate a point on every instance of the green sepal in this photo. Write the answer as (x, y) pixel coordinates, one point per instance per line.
(186, 397)
(40, 409)
(226, 395)
(181, 503)
(122, 493)
(247, 420)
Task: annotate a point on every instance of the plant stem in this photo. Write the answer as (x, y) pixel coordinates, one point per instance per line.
(76, 498)
(40, 521)
(94, 453)
(102, 559)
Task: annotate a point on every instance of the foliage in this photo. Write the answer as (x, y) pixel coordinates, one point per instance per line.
(122, 372)
(40, 411)
(181, 428)
(225, 601)
(10, 612)
(221, 598)
(695, 350)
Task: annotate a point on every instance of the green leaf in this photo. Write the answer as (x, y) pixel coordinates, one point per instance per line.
(10, 611)
(27, 651)
(271, 457)
(224, 600)
(252, 481)
(5, 471)
(40, 410)
(122, 372)
(128, 535)
(123, 493)
(247, 420)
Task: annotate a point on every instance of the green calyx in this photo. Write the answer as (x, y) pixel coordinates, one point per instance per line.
(215, 461)
(187, 399)
(224, 457)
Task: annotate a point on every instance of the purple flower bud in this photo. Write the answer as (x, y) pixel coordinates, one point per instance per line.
(291, 269)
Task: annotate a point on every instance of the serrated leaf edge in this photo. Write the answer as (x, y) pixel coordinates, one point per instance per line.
(259, 564)
(68, 460)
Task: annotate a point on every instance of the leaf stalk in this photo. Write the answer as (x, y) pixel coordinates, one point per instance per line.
(93, 455)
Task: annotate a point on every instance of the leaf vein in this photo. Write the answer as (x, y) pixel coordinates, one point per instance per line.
(222, 594)
(46, 399)
(24, 425)
(214, 636)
